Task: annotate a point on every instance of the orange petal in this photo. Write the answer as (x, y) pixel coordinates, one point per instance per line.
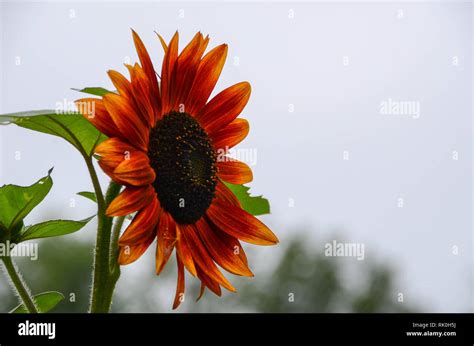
(234, 171)
(201, 256)
(162, 41)
(223, 192)
(143, 224)
(121, 83)
(206, 78)
(179, 297)
(147, 66)
(166, 240)
(230, 135)
(142, 94)
(184, 251)
(130, 200)
(135, 171)
(240, 224)
(130, 253)
(224, 107)
(94, 111)
(114, 145)
(224, 251)
(112, 152)
(201, 291)
(167, 75)
(186, 68)
(208, 282)
(127, 121)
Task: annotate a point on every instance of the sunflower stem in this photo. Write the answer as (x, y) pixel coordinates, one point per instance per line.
(114, 267)
(20, 285)
(102, 289)
(114, 250)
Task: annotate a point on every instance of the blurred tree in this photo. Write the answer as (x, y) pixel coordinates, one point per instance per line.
(308, 281)
(303, 280)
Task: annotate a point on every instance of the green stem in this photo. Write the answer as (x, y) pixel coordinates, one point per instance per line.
(20, 285)
(114, 267)
(114, 250)
(101, 285)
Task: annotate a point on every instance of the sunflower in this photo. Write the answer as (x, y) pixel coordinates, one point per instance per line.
(164, 143)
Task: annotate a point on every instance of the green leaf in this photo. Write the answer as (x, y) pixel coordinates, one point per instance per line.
(18, 201)
(52, 228)
(88, 195)
(255, 205)
(44, 301)
(97, 91)
(73, 127)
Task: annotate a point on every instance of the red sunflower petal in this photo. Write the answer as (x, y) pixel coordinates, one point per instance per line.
(206, 78)
(230, 135)
(130, 200)
(184, 251)
(130, 253)
(240, 224)
(135, 171)
(224, 107)
(201, 291)
(167, 75)
(143, 224)
(234, 171)
(179, 297)
(166, 240)
(224, 251)
(149, 70)
(112, 152)
(121, 83)
(162, 41)
(186, 68)
(142, 94)
(202, 258)
(114, 145)
(208, 282)
(127, 121)
(224, 193)
(94, 111)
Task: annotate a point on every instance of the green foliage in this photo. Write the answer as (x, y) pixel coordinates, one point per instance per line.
(45, 302)
(97, 91)
(18, 201)
(52, 228)
(255, 205)
(73, 127)
(88, 195)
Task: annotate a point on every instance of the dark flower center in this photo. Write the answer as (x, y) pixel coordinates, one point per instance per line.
(184, 161)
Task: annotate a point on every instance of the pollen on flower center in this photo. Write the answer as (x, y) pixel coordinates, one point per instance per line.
(184, 161)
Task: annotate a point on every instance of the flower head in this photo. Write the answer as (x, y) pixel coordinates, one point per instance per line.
(163, 143)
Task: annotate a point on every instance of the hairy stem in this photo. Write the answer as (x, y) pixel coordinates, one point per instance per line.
(20, 285)
(114, 267)
(100, 301)
(114, 250)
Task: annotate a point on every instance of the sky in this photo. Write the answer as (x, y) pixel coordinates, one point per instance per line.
(361, 117)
